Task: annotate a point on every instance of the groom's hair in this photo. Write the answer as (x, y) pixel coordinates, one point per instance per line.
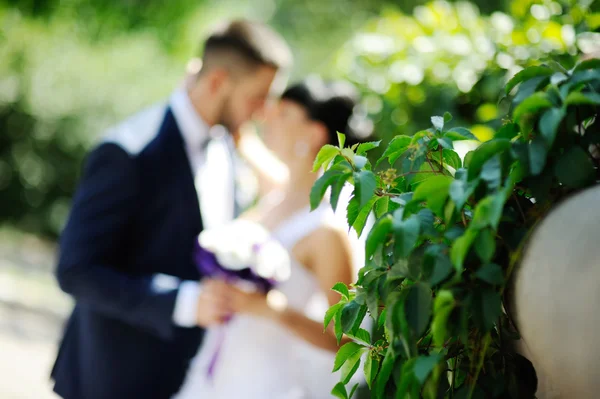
(245, 45)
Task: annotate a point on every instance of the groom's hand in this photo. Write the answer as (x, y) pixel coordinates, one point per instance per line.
(213, 303)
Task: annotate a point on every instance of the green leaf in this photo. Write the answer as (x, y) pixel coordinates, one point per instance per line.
(529, 87)
(362, 335)
(406, 234)
(344, 353)
(351, 366)
(449, 158)
(445, 143)
(377, 235)
(484, 152)
(360, 161)
(352, 210)
(341, 139)
(593, 63)
(585, 76)
(531, 105)
(353, 390)
(537, 155)
(339, 391)
(371, 368)
(460, 190)
(337, 327)
(508, 131)
(574, 168)
(491, 172)
(363, 148)
(349, 315)
(359, 219)
(485, 245)
(579, 98)
(447, 117)
(442, 308)
(365, 186)
(489, 211)
(342, 289)
(460, 133)
(526, 74)
(397, 146)
(442, 268)
(434, 191)
(487, 307)
(461, 247)
(325, 156)
(418, 308)
(549, 123)
(331, 312)
(424, 365)
(382, 206)
(320, 187)
(336, 190)
(384, 375)
(438, 122)
(490, 273)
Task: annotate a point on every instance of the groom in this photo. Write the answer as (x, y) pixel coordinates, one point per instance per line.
(148, 190)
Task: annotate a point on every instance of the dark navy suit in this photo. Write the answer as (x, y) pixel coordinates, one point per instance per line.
(135, 214)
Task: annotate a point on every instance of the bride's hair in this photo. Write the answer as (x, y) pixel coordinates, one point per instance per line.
(336, 104)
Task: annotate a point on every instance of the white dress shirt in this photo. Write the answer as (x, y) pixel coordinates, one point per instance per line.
(213, 173)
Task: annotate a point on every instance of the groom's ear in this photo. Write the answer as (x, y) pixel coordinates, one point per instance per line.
(218, 80)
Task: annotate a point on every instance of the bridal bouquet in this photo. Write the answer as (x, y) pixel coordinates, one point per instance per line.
(242, 253)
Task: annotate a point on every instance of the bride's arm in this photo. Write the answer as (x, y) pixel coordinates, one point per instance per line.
(327, 253)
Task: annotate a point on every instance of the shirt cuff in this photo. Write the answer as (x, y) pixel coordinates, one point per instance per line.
(186, 304)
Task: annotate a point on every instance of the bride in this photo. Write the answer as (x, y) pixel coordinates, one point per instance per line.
(282, 351)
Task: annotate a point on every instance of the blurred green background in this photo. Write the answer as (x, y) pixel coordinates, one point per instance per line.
(70, 68)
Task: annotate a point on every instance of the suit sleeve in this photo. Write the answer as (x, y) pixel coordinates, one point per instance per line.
(91, 243)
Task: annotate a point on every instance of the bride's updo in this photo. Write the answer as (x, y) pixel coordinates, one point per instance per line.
(336, 105)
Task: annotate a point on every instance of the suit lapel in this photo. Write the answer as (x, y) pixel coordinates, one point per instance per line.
(181, 170)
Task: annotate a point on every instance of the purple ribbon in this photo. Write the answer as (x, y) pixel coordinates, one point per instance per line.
(209, 266)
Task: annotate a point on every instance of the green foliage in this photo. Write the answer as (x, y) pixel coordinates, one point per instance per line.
(439, 260)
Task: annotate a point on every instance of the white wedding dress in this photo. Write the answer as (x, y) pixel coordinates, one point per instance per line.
(259, 359)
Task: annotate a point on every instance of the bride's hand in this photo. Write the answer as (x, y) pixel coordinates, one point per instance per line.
(255, 303)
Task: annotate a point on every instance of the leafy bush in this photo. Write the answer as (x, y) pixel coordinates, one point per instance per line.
(448, 235)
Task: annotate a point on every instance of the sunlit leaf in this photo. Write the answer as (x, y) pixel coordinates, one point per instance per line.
(371, 369)
(325, 156)
(442, 308)
(438, 122)
(395, 148)
(339, 391)
(341, 139)
(459, 133)
(580, 98)
(363, 148)
(351, 366)
(344, 353)
(434, 191)
(526, 74)
(329, 315)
